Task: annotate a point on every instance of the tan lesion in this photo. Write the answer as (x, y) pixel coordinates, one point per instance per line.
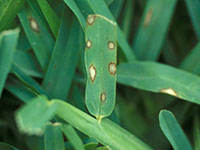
(148, 17)
(112, 68)
(169, 91)
(92, 72)
(34, 25)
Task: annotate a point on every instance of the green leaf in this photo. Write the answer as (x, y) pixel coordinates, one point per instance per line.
(194, 12)
(39, 37)
(50, 16)
(6, 15)
(8, 44)
(196, 133)
(72, 136)
(62, 67)
(100, 62)
(108, 2)
(4, 146)
(53, 138)
(161, 78)
(191, 62)
(32, 122)
(99, 7)
(173, 131)
(153, 28)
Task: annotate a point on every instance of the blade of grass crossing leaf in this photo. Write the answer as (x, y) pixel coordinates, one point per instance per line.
(50, 16)
(191, 62)
(161, 78)
(39, 37)
(194, 12)
(62, 67)
(7, 16)
(5, 146)
(153, 28)
(100, 64)
(53, 138)
(99, 7)
(173, 131)
(106, 132)
(8, 44)
(196, 133)
(72, 136)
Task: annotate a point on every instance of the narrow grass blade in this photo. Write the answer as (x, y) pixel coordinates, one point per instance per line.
(19, 90)
(53, 138)
(27, 63)
(72, 136)
(157, 77)
(194, 12)
(100, 63)
(4, 146)
(99, 7)
(64, 60)
(8, 44)
(6, 15)
(153, 28)
(127, 17)
(191, 62)
(116, 7)
(173, 131)
(50, 16)
(196, 133)
(28, 81)
(32, 122)
(39, 37)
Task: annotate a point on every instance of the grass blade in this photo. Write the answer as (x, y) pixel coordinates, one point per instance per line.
(53, 138)
(157, 77)
(72, 136)
(105, 132)
(196, 133)
(50, 16)
(153, 28)
(62, 67)
(39, 37)
(100, 62)
(8, 44)
(173, 131)
(194, 12)
(7, 16)
(191, 61)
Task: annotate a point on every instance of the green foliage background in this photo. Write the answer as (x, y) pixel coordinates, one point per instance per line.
(43, 76)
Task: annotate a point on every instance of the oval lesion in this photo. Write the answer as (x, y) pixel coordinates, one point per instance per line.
(34, 25)
(92, 72)
(169, 91)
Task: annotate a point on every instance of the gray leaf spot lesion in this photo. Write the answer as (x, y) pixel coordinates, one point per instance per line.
(92, 72)
(88, 43)
(111, 45)
(103, 97)
(34, 25)
(90, 19)
(112, 68)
